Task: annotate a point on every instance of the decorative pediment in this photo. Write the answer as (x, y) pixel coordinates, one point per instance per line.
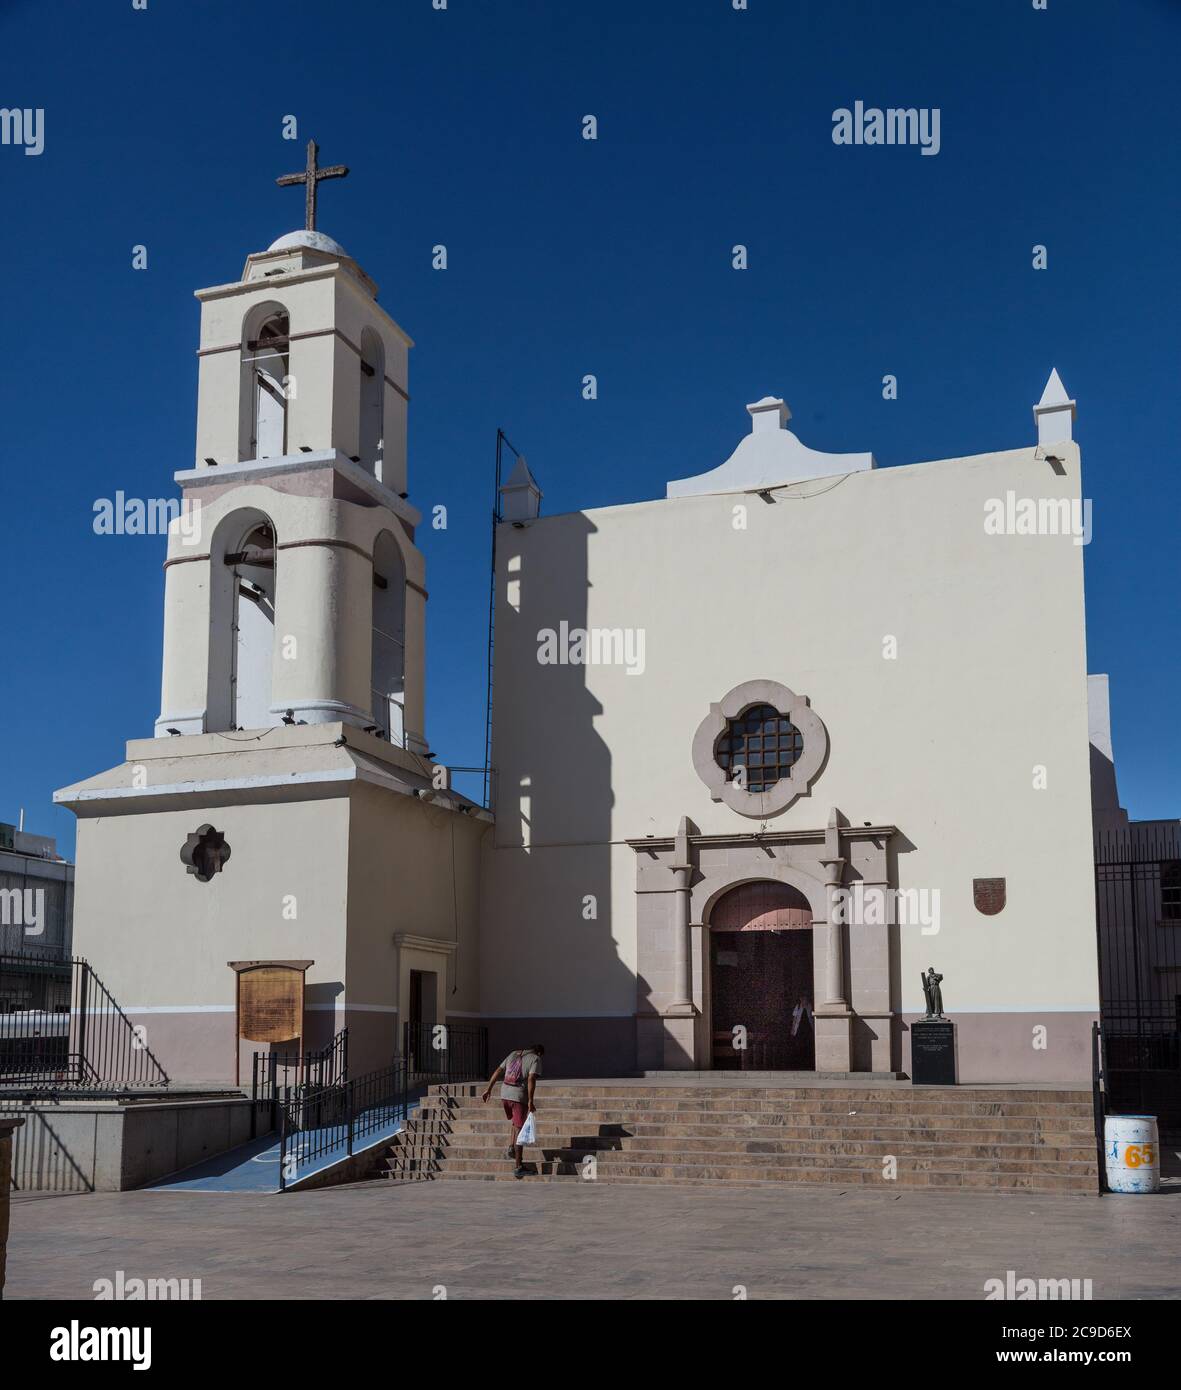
(769, 457)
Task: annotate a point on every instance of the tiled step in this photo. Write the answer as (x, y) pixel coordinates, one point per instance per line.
(580, 1090)
(681, 1173)
(752, 1094)
(609, 1147)
(551, 1129)
(813, 1106)
(982, 1129)
(494, 1147)
(764, 1126)
(1000, 1156)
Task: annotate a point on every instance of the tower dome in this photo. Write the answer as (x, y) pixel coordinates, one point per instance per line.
(312, 240)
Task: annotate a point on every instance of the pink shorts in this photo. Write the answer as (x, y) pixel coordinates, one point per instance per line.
(516, 1111)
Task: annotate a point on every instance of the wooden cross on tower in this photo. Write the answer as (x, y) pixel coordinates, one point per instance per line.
(311, 176)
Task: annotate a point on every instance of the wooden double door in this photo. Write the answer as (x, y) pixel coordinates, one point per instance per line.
(762, 1000)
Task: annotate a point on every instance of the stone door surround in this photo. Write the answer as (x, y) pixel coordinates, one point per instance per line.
(680, 878)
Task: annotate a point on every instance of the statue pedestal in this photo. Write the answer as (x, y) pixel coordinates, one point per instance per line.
(932, 1052)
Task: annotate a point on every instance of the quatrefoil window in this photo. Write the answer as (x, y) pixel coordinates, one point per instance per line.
(205, 852)
(760, 748)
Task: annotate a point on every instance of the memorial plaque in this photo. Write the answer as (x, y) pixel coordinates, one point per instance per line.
(932, 1052)
(269, 997)
(272, 1004)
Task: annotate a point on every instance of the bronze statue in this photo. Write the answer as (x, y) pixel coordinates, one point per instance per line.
(932, 993)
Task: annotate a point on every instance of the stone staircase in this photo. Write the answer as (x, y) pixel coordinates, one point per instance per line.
(979, 1138)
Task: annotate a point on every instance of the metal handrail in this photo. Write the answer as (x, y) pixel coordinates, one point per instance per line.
(1098, 1099)
(316, 1122)
(77, 1041)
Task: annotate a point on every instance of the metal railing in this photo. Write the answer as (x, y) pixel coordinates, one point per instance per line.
(314, 1123)
(61, 1029)
(1138, 917)
(1099, 1098)
(314, 1070)
(444, 1051)
(275, 1075)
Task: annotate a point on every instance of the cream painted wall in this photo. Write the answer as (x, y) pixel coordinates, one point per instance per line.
(360, 866)
(989, 682)
(414, 869)
(158, 947)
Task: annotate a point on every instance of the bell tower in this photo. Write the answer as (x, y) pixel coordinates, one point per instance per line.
(294, 591)
(287, 809)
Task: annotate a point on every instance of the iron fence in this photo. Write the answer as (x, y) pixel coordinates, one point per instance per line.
(62, 1030)
(1138, 912)
(278, 1075)
(316, 1122)
(273, 1072)
(445, 1051)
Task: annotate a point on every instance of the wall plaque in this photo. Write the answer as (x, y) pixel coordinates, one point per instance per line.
(269, 1001)
(989, 895)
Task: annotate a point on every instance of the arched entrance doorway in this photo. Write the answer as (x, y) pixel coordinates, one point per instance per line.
(761, 979)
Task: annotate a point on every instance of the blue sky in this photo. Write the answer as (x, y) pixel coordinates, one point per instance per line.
(163, 127)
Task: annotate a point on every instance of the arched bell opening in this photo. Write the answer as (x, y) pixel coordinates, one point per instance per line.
(243, 590)
(371, 431)
(388, 683)
(266, 382)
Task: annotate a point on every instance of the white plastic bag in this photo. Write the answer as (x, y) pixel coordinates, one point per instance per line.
(528, 1131)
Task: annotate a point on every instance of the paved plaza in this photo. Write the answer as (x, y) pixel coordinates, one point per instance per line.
(582, 1240)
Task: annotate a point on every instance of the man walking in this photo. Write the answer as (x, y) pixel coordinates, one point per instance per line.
(520, 1070)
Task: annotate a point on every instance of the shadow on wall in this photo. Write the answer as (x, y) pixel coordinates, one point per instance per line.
(41, 1161)
(319, 1019)
(551, 958)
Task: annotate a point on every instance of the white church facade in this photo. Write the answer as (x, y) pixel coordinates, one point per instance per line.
(764, 749)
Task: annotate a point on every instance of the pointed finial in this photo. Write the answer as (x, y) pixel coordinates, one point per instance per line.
(520, 497)
(1054, 413)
